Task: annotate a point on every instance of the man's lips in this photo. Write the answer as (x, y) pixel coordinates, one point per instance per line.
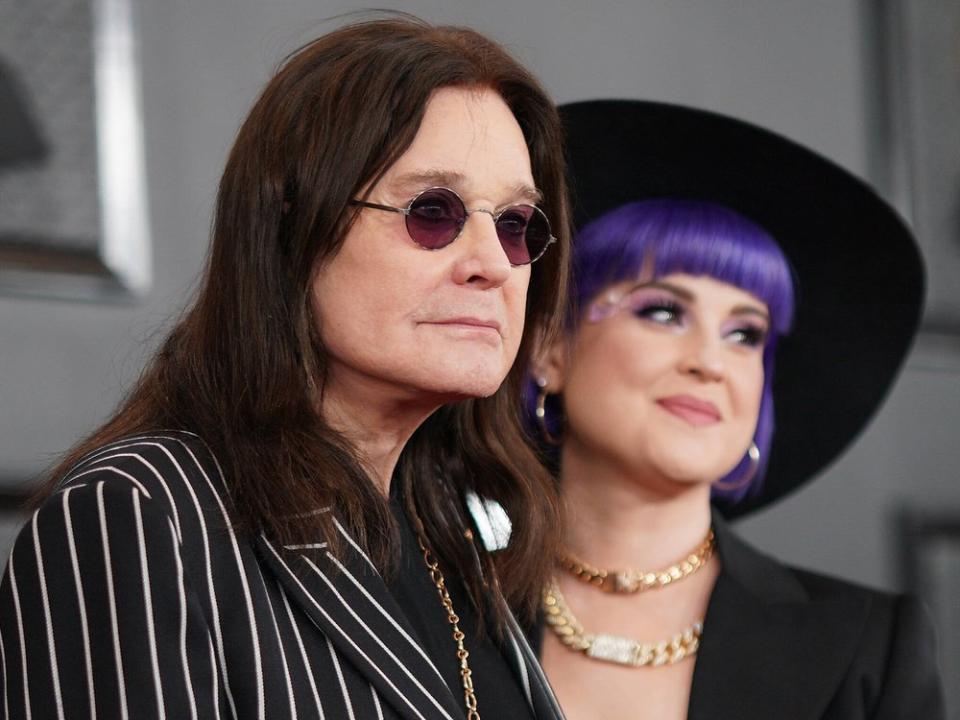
(693, 410)
(468, 323)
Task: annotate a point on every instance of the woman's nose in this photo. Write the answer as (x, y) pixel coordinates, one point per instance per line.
(702, 357)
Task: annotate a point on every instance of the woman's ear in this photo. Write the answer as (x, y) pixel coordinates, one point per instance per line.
(549, 365)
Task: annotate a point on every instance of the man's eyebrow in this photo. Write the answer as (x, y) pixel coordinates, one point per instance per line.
(422, 179)
(527, 193)
(412, 182)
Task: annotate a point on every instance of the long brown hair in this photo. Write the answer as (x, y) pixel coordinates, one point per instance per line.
(245, 365)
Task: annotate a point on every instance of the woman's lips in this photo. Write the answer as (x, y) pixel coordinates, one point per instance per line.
(693, 410)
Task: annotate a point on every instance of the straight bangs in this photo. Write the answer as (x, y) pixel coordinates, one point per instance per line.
(653, 238)
(647, 240)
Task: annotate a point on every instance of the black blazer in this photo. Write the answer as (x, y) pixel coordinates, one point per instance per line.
(784, 643)
(130, 592)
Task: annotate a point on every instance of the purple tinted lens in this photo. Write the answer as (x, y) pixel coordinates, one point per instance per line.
(435, 218)
(524, 232)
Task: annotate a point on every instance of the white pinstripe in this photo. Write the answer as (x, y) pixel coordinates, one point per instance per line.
(112, 601)
(23, 647)
(148, 606)
(343, 684)
(48, 620)
(353, 543)
(81, 599)
(216, 684)
(303, 651)
(182, 596)
(376, 702)
(3, 664)
(283, 651)
(117, 471)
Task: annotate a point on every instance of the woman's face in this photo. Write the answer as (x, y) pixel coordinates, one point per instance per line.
(445, 323)
(664, 379)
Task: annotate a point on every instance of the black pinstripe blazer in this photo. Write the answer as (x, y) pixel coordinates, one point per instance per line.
(128, 595)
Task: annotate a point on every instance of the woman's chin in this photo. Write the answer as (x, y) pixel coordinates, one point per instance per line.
(681, 474)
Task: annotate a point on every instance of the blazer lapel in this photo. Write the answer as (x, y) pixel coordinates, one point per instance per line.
(523, 661)
(768, 650)
(519, 655)
(349, 601)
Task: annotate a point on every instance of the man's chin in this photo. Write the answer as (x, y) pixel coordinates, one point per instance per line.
(472, 385)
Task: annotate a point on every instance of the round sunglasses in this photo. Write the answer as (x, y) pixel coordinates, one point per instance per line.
(436, 216)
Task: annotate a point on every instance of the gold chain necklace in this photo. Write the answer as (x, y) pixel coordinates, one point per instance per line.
(615, 648)
(466, 676)
(631, 581)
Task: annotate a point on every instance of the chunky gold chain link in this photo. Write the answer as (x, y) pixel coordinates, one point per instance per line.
(631, 581)
(614, 648)
(469, 698)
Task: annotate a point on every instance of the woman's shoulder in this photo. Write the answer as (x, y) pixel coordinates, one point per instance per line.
(872, 619)
(896, 659)
(887, 612)
(792, 582)
(824, 586)
(877, 648)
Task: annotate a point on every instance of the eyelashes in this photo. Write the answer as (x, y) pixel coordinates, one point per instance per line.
(748, 335)
(665, 311)
(668, 311)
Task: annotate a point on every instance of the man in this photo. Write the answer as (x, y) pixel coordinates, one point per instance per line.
(273, 524)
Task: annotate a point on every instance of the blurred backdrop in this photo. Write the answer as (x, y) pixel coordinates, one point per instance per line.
(874, 85)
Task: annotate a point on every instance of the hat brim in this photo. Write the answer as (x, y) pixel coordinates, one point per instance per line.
(858, 272)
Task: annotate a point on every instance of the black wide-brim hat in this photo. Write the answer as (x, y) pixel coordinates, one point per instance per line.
(857, 270)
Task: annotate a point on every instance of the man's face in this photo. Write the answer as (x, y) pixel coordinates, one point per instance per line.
(442, 324)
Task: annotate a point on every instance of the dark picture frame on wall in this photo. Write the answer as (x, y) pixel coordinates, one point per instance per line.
(919, 145)
(73, 208)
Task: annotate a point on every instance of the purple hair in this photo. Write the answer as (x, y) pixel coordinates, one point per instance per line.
(659, 237)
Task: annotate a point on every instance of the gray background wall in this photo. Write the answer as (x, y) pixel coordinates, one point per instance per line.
(801, 68)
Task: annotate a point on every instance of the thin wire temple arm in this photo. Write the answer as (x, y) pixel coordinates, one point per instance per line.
(378, 206)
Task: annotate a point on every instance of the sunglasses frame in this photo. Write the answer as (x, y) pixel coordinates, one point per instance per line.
(406, 211)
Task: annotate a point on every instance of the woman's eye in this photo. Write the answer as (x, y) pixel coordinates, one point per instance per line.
(748, 336)
(665, 313)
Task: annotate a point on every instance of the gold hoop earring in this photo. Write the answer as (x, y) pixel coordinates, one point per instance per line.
(753, 452)
(541, 413)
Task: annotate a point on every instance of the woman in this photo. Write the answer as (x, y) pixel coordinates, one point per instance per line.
(273, 524)
(663, 396)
